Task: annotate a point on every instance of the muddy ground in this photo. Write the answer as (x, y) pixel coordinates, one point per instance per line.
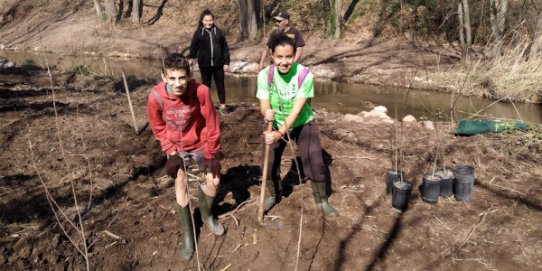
(127, 203)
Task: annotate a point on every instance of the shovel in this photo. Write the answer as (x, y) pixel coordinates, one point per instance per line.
(264, 175)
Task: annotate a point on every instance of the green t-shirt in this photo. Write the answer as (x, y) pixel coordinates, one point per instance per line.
(284, 90)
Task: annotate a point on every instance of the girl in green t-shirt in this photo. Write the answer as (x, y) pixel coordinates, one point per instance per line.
(284, 90)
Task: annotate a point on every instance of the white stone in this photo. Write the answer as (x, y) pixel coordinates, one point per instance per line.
(428, 125)
(380, 108)
(409, 118)
(354, 118)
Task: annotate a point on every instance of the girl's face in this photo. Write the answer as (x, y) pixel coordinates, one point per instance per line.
(208, 21)
(283, 56)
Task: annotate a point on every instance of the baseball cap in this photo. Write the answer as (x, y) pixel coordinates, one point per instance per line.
(282, 15)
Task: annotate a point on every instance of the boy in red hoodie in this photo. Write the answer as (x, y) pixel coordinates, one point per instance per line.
(183, 119)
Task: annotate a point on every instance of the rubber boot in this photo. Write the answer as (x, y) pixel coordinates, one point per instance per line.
(274, 194)
(206, 210)
(320, 198)
(188, 232)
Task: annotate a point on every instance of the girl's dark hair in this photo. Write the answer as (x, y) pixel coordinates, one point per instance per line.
(176, 61)
(204, 13)
(283, 40)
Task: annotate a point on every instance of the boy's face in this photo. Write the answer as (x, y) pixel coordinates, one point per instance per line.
(283, 56)
(177, 79)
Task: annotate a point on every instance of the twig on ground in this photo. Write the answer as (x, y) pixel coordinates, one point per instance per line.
(482, 219)
(237, 208)
(354, 157)
(442, 223)
(299, 240)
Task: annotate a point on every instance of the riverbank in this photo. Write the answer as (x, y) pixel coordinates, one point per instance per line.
(399, 61)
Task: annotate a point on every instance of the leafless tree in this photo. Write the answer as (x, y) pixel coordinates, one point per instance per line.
(249, 11)
(111, 11)
(98, 8)
(465, 30)
(536, 37)
(497, 18)
(136, 11)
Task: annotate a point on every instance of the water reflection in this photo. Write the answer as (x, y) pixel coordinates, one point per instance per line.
(335, 97)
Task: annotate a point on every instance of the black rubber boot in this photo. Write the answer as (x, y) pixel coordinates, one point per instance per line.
(274, 194)
(206, 210)
(320, 198)
(188, 232)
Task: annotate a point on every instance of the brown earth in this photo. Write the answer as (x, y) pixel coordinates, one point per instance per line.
(128, 208)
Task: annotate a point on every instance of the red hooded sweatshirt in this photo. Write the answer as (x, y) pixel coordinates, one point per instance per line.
(186, 123)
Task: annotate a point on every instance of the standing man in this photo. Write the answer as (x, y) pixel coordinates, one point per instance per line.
(183, 118)
(283, 27)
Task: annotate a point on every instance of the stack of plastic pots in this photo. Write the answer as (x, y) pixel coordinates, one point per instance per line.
(464, 182)
(446, 182)
(391, 176)
(430, 189)
(400, 194)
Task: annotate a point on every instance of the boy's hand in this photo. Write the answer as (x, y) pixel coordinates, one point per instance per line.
(226, 68)
(269, 115)
(211, 166)
(191, 61)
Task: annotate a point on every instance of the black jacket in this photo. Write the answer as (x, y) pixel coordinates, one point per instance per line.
(210, 47)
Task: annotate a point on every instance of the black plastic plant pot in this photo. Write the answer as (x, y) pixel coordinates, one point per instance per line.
(463, 184)
(430, 188)
(392, 175)
(446, 182)
(400, 194)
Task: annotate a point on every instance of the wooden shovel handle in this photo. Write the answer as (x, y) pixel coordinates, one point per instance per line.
(264, 174)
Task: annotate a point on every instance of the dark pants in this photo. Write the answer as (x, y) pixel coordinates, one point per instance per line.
(218, 73)
(308, 142)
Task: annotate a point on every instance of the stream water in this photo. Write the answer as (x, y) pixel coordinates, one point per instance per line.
(333, 96)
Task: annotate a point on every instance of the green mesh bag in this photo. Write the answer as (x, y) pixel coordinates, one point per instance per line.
(480, 126)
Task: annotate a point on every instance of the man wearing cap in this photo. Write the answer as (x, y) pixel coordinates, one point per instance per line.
(282, 21)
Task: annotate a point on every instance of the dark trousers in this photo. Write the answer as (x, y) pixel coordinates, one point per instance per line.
(308, 142)
(218, 73)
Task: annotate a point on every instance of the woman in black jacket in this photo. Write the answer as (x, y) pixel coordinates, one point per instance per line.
(209, 45)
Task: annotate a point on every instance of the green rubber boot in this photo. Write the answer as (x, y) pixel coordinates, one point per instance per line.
(206, 210)
(320, 198)
(274, 194)
(188, 232)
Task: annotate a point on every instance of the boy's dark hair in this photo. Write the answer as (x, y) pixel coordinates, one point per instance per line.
(283, 40)
(204, 13)
(176, 61)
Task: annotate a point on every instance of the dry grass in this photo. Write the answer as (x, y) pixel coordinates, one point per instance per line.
(509, 77)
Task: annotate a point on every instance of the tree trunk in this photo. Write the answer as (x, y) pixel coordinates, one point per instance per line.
(497, 19)
(461, 30)
(252, 21)
(248, 17)
(536, 37)
(338, 32)
(98, 8)
(111, 11)
(466, 23)
(136, 11)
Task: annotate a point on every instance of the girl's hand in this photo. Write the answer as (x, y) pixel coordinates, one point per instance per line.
(269, 115)
(272, 137)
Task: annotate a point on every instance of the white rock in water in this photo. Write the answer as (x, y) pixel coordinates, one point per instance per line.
(380, 108)
(409, 118)
(354, 118)
(243, 67)
(4, 63)
(428, 125)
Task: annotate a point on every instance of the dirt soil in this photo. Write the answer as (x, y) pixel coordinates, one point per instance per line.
(127, 203)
